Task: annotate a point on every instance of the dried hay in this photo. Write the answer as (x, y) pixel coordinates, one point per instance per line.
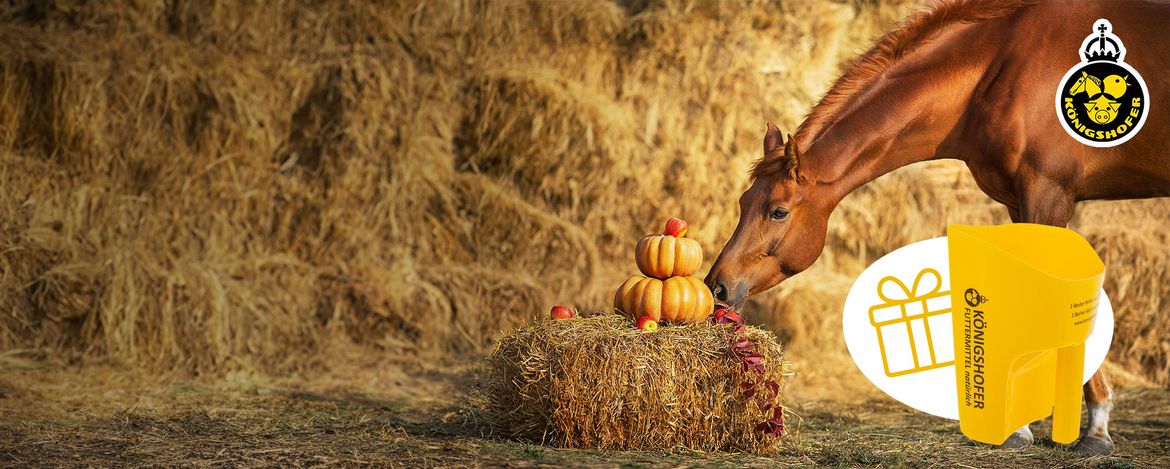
(205, 188)
(598, 382)
(1132, 240)
(214, 186)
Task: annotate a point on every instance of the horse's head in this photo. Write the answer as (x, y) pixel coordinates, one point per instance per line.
(781, 229)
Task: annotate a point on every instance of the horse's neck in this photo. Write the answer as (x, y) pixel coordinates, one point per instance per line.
(901, 117)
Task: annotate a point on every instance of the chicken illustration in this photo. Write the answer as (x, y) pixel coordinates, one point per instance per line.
(1115, 86)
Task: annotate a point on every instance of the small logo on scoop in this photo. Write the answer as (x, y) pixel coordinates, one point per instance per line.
(973, 297)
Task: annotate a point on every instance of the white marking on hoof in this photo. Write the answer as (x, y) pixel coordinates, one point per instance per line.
(1099, 419)
(1096, 440)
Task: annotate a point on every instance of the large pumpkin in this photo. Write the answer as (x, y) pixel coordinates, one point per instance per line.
(676, 299)
(664, 256)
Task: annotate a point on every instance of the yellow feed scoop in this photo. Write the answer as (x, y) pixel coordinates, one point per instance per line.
(1024, 301)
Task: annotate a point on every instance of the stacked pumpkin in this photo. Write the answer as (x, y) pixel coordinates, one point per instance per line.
(666, 291)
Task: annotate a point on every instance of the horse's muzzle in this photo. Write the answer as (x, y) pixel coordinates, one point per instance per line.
(730, 295)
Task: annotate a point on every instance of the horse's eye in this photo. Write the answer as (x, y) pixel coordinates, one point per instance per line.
(779, 214)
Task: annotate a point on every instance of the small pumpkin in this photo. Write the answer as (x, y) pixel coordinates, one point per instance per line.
(680, 300)
(668, 255)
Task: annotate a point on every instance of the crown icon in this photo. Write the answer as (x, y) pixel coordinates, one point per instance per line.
(1103, 44)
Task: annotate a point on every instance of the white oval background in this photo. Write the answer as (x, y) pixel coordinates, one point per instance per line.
(931, 391)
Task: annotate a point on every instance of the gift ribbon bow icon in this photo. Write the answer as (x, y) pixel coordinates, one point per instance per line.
(907, 294)
(926, 286)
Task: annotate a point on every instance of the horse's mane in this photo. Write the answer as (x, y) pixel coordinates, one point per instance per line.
(915, 30)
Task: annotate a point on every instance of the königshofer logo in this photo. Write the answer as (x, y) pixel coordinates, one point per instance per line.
(1102, 101)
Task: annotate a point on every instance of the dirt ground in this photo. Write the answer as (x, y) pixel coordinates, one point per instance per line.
(97, 415)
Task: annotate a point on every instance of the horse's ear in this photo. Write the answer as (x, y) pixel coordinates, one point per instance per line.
(773, 142)
(792, 154)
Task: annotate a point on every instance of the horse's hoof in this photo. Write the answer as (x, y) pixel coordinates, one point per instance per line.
(1016, 441)
(1093, 446)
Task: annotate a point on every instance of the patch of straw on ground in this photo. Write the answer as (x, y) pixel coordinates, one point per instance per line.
(103, 416)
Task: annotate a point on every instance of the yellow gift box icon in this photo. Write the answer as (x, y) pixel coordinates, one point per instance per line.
(913, 324)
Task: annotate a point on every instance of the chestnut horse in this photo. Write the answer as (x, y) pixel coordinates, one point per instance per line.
(974, 81)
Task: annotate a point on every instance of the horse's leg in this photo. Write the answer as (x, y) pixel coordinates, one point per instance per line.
(1021, 438)
(1099, 400)
(1046, 202)
(1014, 215)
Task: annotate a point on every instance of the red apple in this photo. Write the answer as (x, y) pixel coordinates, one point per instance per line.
(718, 317)
(675, 227)
(647, 324)
(561, 312)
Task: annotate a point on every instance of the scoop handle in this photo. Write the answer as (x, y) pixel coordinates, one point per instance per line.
(1066, 411)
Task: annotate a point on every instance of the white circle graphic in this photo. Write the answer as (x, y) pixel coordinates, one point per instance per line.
(931, 390)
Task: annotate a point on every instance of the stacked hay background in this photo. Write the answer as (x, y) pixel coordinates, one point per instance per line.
(213, 186)
(601, 383)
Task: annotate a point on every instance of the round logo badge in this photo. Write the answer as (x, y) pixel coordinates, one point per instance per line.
(1102, 101)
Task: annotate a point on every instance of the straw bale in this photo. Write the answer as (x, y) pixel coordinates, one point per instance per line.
(521, 125)
(597, 382)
